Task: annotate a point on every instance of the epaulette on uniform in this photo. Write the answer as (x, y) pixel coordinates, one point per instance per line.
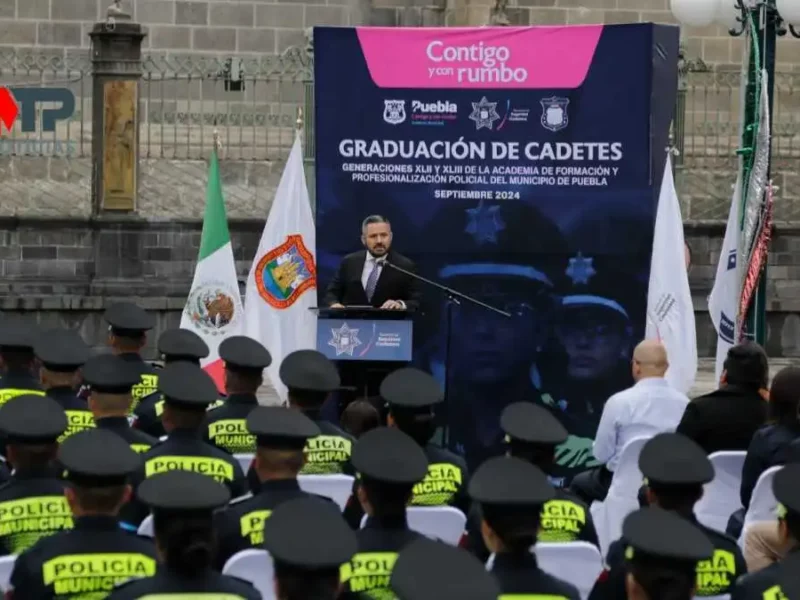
(240, 499)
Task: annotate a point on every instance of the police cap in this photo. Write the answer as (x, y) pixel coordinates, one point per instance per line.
(280, 427)
(309, 370)
(97, 457)
(389, 456)
(110, 374)
(244, 354)
(182, 343)
(786, 487)
(309, 534)
(674, 459)
(32, 418)
(526, 422)
(187, 384)
(662, 534)
(17, 334)
(411, 388)
(61, 350)
(182, 491)
(126, 318)
(431, 570)
(510, 481)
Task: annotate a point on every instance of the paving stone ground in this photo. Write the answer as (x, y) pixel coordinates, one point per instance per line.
(705, 380)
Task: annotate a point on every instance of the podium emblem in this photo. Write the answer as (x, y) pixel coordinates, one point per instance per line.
(344, 340)
(285, 273)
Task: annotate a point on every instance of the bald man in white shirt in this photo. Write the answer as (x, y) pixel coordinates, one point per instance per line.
(651, 406)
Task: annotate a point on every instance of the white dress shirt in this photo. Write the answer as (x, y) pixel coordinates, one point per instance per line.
(650, 407)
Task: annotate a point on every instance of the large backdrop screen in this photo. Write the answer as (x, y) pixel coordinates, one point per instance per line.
(519, 166)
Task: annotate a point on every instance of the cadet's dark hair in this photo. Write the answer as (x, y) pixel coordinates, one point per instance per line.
(420, 425)
(187, 542)
(298, 584)
(539, 455)
(517, 527)
(746, 366)
(18, 359)
(387, 499)
(784, 398)
(677, 498)
(307, 401)
(664, 581)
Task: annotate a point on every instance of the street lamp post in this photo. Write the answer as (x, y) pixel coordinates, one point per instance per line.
(762, 21)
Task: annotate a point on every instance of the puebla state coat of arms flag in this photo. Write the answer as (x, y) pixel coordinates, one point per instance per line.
(281, 286)
(214, 307)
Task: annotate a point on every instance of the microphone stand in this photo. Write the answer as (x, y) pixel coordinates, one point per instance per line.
(453, 298)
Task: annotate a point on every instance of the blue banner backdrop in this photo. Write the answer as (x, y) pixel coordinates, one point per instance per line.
(520, 166)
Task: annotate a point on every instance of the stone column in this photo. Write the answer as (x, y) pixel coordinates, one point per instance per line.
(116, 71)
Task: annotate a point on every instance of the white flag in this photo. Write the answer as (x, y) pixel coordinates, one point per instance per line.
(723, 302)
(670, 314)
(283, 279)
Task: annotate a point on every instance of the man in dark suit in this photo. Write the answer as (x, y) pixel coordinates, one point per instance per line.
(727, 418)
(364, 278)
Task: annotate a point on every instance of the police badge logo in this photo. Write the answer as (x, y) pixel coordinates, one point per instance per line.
(285, 273)
(213, 307)
(580, 269)
(554, 113)
(344, 340)
(394, 111)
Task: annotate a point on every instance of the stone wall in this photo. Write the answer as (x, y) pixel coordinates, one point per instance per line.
(64, 271)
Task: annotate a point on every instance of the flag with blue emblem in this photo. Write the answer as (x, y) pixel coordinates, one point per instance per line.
(724, 298)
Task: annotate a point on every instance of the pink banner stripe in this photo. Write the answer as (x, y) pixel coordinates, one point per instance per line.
(480, 57)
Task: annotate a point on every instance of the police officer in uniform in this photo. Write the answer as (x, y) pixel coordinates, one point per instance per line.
(676, 468)
(18, 361)
(127, 335)
(97, 553)
(173, 345)
(511, 493)
(390, 464)
(62, 352)
(310, 378)
(770, 583)
(111, 380)
(183, 503)
(663, 555)
(429, 570)
(187, 390)
(245, 361)
(32, 503)
(281, 434)
(309, 541)
(412, 395)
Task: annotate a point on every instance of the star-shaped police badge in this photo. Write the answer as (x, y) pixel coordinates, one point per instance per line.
(484, 113)
(484, 223)
(580, 269)
(344, 340)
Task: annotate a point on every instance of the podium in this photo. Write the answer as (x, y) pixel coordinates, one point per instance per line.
(367, 344)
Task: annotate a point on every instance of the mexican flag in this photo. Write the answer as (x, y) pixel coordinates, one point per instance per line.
(214, 307)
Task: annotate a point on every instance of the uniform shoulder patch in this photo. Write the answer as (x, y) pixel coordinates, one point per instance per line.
(214, 405)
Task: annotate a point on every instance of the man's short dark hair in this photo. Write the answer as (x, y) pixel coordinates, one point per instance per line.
(746, 365)
(374, 219)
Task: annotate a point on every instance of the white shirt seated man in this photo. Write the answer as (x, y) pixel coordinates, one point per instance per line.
(651, 406)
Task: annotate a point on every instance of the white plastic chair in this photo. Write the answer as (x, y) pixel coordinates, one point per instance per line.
(6, 568)
(721, 496)
(254, 566)
(579, 563)
(622, 498)
(146, 527)
(443, 523)
(763, 505)
(244, 461)
(336, 487)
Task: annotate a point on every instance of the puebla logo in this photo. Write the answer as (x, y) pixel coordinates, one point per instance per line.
(285, 273)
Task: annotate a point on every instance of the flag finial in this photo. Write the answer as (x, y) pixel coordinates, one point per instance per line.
(217, 141)
(299, 121)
